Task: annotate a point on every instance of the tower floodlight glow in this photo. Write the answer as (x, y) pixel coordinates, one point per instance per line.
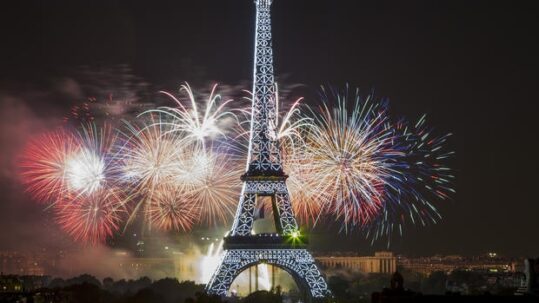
(264, 176)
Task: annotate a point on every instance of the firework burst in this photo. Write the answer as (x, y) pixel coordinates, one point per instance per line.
(195, 123)
(204, 168)
(292, 131)
(149, 156)
(43, 164)
(172, 207)
(367, 172)
(149, 160)
(305, 199)
(424, 179)
(72, 171)
(351, 158)
(181, 166)
(92, 218)
(61, 162)
(290, 128)
(84, 171)
(214, 182)
(92, 167)
(157, 158)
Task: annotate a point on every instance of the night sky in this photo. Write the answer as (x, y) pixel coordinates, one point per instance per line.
(472, 66)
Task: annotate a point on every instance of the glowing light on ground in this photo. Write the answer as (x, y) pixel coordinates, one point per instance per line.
(264, 277)
(210, 261)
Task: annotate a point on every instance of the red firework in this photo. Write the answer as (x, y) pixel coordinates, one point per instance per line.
(92, 218)
(43, 167)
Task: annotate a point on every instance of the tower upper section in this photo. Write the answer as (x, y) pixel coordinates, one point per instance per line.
(264, 155)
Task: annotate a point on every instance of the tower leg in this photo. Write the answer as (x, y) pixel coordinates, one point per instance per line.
(243, 224)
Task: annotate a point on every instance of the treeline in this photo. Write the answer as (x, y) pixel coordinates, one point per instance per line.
(88, 289)
(349, 287)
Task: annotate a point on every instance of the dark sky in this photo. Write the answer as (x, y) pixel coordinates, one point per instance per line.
(472, 66)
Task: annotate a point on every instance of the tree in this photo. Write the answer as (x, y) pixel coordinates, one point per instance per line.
(435, 283)
(84, 293)
(202, 297)
(107, 283)
(119, 286)
(262, 296)
(146, 295)
(169, 288)
(85, 278)
(57, 283)
(340, 288)
(133, 286)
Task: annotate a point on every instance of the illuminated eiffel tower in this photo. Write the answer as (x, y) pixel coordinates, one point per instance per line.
(265, 177)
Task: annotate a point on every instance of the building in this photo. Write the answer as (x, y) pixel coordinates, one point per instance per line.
(10, 283)
(382, 262)
(532, 277)
(398, 293)
(24, 263)
(486, 263)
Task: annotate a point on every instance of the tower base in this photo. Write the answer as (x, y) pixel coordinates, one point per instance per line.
(299, 263)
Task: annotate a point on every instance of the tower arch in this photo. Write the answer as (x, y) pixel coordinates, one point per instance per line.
(269, 279)
(297, 262)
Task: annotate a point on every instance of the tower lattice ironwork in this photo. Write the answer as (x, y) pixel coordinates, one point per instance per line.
(264, 176)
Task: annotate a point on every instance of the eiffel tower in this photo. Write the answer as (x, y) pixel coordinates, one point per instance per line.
(264, 177)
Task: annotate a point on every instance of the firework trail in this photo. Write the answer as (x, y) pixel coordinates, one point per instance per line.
(424, 180)
(214, 184)
(92, 166)
(73, 172)
(172, 207)
(195, 123)
(305, 202)
(205, 165)
(148, 162)
(92, 210)
(43, 164)
(427, 155)
(290, 128)
(63, 162)
(352, 159)
(92, 218)
(347, 162)
(292, 131)
(157, 157)
(369, 173)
